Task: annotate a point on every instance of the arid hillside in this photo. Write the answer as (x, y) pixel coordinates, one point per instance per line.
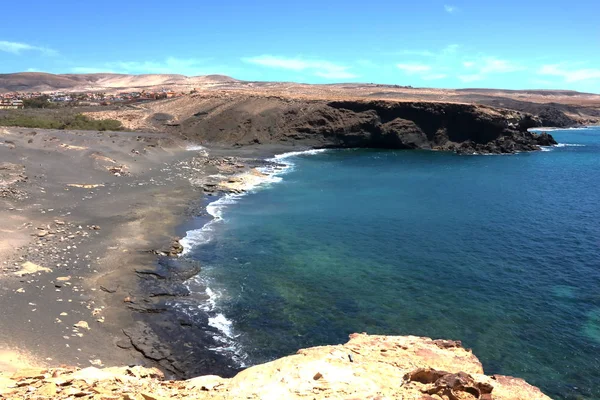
(43, 82)
(554, 107)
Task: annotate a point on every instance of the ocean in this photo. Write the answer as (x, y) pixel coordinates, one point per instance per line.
(500, 252)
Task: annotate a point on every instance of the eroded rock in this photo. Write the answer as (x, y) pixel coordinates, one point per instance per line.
(381, 367)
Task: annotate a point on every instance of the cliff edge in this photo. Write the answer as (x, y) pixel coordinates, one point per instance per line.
(367, 367)
(226, 119)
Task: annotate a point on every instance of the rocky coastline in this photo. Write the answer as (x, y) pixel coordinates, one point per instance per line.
(227, 119)
(109, 243)
(366, 367)
(462, 128)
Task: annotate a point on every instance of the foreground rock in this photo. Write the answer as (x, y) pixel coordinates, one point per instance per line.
(367, 367)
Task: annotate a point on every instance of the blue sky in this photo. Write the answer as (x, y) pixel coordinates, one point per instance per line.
(448, 43)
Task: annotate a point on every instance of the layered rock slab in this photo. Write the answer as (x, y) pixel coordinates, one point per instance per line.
(367, 367)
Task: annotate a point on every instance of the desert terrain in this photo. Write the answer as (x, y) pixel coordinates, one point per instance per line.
(555, 107)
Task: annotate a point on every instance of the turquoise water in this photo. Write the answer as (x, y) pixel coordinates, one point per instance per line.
(501, 252)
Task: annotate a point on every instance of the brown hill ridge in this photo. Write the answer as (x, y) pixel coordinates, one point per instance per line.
(559, 108)
(367, 367)
(225, 118)
(44, 82)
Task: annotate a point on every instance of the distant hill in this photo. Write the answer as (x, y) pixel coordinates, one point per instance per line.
(44, 82)
(540, 92)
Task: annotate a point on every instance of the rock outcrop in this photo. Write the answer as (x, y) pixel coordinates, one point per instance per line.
(367, 367)
(464, 128)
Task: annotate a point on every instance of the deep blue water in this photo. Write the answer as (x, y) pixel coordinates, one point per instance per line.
(501, 252)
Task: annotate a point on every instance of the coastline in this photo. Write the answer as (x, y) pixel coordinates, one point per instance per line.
(186, 306)
(229, 192)
(137, 276)
(99, 214)
(134, 202)
(92, 212)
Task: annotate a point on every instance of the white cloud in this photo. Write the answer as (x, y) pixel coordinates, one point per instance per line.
(543, 82)
(335, 74)
(420, 53)
(485, 66)
(321, 68)
(414, 68)
(91, 70)
(491, 65)
(433, 77)
(450, 9)
(450, 49)
(423, 71)
(18, 48)
(367, 64)
(570, 75)
(470, 78)
(171, 65)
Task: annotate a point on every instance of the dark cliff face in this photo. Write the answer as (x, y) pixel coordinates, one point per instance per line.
(376, 124)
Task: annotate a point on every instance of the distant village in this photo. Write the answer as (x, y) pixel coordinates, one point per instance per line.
(18, 100)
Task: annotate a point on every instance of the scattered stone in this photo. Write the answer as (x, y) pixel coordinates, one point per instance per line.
(82, 325)
(49, 389)
(207, 382)
(29, 373)
(85, 186)
(108, 289)
(29, 268)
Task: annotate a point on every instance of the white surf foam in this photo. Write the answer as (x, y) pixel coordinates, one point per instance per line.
(269, 174)
(569, 145)
(197, 237)
(221, 322)
(550, 148)
(284, 156)
(281, 163)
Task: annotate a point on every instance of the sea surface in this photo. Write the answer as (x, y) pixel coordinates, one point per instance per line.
(501, 252)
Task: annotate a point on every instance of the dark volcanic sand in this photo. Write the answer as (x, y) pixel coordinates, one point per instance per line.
(89, 208)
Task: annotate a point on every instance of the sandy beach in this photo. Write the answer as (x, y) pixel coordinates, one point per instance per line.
(85, 215)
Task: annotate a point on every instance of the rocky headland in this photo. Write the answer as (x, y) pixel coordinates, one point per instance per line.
(366, 367)
(234, 119)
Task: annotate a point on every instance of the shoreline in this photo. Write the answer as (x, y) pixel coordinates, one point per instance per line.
(230, 197)
(90, 232)
(108, 207)
(137, 207)
(137, 274)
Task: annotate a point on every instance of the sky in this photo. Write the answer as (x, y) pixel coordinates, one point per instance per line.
(524, 44)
